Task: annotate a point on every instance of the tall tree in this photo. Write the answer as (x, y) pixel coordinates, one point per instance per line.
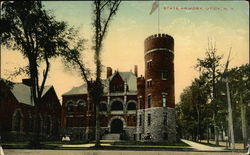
(103, 13)
(193, 112)
(240, 92)
(211, 67)
(29, 28)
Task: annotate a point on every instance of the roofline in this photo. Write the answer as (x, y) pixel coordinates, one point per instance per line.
(72, 94)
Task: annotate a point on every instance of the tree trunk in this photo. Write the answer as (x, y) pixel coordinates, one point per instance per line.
(198, 129)
(97, 98)
(35, 141)
(89, 113)
(208, 134)
(243, 122)
(97, 133)
(216, 134)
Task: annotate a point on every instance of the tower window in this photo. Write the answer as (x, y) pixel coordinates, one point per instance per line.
(164, 100)
(164, 75)
(149, 101)
(149, 83)
(149, 64)
(149, 119)
(165, 119)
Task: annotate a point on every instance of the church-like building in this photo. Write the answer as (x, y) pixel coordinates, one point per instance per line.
(132, 107)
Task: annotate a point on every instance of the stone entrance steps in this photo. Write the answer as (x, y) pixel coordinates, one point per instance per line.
(111, 136)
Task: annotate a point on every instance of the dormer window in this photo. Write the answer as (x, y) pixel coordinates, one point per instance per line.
(116, 84)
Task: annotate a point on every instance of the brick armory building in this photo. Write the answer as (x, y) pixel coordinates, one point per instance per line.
(17, 112)
(133, 108)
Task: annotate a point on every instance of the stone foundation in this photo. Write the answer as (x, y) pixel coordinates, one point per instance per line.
(160, 130)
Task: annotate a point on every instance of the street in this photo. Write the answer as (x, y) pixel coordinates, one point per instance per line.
(104, 152)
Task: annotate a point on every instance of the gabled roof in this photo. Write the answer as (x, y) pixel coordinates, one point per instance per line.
(129, 77)
(77, 90)
(22, 93)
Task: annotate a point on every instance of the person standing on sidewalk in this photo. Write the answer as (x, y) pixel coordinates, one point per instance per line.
(248, 147)
(1, 149)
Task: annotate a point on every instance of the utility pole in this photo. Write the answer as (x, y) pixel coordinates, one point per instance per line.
(230, 117)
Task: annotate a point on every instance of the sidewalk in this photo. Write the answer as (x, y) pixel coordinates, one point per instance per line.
(237, 145)
(82, 145)
(201, 147)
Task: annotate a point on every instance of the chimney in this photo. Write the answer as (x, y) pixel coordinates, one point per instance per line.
(136, 70)
(27, 82)
(109, 71)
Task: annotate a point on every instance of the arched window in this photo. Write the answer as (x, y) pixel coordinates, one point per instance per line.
(117, 105)
(17, 121)
(81, 105)
(103, 107)
(70, 107)
(131, 106)
(48, 125)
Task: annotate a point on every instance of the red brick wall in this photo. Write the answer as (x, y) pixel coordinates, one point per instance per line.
(76, 114)
(161, 61)
(9, 104)
(104, 118)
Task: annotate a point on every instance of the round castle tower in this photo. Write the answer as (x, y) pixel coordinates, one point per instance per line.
(156, 122)
(159, 70)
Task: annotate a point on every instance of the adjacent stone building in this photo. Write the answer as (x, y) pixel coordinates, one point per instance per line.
(17, 112)
(132, 108)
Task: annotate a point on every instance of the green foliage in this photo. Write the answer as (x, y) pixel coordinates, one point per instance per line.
(199, 102)
(26, 26)
(204, 103)
(31, 29)
(239, 88)
(103, 12)
(192, 115)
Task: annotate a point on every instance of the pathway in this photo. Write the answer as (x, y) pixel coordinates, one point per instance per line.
(201, 147)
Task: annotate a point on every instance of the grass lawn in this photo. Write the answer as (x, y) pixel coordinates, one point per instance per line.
(15, 145)
(122, 145)
(150, 143)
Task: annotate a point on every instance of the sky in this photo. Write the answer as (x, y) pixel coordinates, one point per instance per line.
(225, 23)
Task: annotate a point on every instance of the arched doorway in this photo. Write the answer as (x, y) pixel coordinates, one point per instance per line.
(116, 126)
